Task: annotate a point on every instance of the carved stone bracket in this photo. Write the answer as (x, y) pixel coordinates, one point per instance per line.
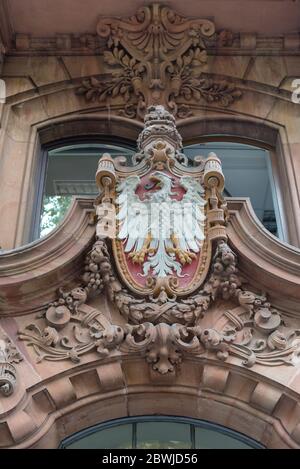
(161, 344)
(158, 57)
(8, 374)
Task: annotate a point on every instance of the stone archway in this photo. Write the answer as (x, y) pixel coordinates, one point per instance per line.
(106, 349)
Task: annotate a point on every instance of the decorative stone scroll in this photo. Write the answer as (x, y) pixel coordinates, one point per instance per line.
(8, 374)
(165, 286)
(158, 57)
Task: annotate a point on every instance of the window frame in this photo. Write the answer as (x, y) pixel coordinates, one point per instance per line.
(272, 173)
(205, 424)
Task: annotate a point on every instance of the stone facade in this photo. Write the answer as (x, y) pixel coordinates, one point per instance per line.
(101, 83)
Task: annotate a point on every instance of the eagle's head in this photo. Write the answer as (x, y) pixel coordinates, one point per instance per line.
(129, 184)
(162, 181)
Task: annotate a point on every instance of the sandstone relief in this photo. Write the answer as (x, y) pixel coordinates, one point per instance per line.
(158, 57)
(164, 286)
(9, 355)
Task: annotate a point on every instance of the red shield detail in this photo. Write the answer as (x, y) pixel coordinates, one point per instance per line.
(191, 271)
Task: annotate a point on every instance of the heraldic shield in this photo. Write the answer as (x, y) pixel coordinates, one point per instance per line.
(161, 213)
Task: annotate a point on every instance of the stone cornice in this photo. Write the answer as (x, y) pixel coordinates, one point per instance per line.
(90, 44)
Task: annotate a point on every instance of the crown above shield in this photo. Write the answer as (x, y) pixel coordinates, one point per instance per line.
(165, 217)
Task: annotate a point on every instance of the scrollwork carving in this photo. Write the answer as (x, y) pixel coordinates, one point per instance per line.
(86, 331)
(161, 344)
(165, 329)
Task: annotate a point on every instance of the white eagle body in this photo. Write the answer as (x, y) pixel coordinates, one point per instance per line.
(160, 232)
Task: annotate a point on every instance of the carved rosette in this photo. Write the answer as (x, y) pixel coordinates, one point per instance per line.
(168, 317)
(158, 57)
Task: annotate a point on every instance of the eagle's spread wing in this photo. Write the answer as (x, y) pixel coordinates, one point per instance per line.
(132, 215)
(189, 217)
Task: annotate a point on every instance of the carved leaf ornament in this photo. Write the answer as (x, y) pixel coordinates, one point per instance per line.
(163, 276)
(157, 57)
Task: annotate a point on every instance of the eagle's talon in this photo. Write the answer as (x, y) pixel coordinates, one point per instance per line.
(137, 257)
(185, 257)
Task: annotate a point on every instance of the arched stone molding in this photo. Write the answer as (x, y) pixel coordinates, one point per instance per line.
(96, 392)
(27, 127)
(257, 131)
(245, 77)
(101, 380)
(54, 399)
(263, 258)
(75, 125)
(85, 125)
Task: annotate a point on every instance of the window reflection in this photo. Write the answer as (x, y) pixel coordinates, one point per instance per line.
(248, 173)
(208, 439)
(163, 435)
(119, 437)
(70, 171)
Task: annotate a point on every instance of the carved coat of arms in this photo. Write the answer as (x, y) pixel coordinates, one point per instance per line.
(161, 222)
(161, 258)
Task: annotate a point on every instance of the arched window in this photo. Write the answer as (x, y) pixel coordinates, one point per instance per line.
(69, 170)
(159, 432)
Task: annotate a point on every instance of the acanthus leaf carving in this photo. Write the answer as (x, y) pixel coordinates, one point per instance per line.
(162, 344)
(158, 57)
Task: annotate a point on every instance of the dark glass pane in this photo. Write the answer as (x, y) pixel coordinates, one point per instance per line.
(110, 438)
(160, 434)
(211, 439)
